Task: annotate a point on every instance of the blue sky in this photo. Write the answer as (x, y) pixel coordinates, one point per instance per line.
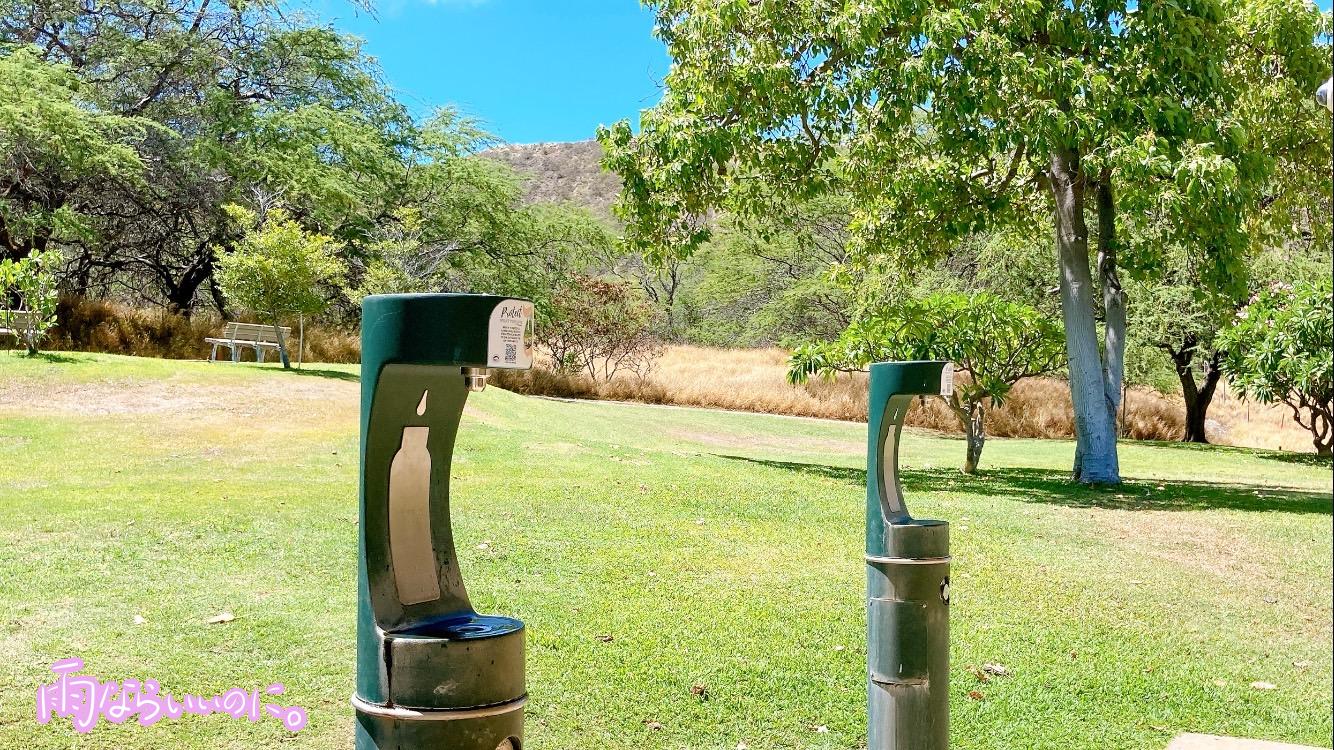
(529, 70)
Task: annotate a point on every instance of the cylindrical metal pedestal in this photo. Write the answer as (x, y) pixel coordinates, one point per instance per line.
(406, 729)
(907, 577)
(453, 685)
(908, 638)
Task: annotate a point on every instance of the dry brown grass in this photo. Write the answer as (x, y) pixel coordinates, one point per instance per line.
(1233, 421)
(101, 326)
(738, 379)
(754, 380)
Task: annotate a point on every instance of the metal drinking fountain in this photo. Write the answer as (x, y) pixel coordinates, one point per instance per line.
(907, 577)
(431, 671)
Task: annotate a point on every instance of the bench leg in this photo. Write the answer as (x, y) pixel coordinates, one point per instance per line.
(259, 354)
(213, 355)
(236, 352)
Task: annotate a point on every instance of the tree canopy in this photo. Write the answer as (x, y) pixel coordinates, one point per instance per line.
(134, 124)
(279, 269)
(945, 120)
(995, 343)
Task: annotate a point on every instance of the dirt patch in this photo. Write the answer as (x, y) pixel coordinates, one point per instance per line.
(1187, 540)
(802, 444)
(270, 396)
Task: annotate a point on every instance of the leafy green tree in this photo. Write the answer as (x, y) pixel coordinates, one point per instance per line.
(771, 281)
(31, 281)
(523, 251)
(1278, 350)
(251, 105)
(1286, 215)
(51, 136)
(1179, 317)
(996, 343)
(600, 327)
(278, 269)
(948, 120)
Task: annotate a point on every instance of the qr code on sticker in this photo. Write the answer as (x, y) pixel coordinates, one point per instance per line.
(511, 352)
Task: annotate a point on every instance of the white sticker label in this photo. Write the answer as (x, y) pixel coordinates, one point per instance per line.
(947, 380)
(510, 338)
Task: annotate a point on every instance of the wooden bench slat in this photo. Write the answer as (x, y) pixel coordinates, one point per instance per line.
(254, 335)
(13, 321)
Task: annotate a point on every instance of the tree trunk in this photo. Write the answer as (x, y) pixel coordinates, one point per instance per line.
(181, 292)
(1113, 298)
(1095, 426)
(282, 345)
(1320, 424)
(1198, 397)
(219, 301)
(975, 434)
(972, 417)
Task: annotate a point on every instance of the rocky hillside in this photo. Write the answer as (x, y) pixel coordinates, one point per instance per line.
(563, 173)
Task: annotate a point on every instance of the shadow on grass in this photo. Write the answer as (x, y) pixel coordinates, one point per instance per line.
(1287, 457)
(1301, 459)
(1055, 488)
(309, 372)
(52, 357)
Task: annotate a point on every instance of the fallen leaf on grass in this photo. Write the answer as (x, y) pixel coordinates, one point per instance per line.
(1303, 664)
(139, 620)
(979, 674)
(700, 691)
(976, 695)
(742, 745)
(822, 729)
(1000, 670)
(605, 638)
(1262, 685)
(655, 726)
(220, 618)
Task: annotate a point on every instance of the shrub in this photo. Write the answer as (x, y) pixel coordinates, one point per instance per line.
(32, 282)
(600, 328)
(278, 269)
(1278, 350)
(994, 342)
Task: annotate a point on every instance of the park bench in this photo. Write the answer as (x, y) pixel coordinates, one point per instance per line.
(14, 322)
(257, 336)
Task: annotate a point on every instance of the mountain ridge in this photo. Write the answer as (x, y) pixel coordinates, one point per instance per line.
(568, 172)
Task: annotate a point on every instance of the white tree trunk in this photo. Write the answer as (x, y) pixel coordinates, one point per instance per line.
(1095, 426)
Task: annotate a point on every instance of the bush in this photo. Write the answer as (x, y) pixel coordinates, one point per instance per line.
(600, 328)
(1278, 350)
(993, 342)
(31, 281)
(101, 326)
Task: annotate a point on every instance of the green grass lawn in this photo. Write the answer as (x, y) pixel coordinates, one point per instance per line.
(715, 549)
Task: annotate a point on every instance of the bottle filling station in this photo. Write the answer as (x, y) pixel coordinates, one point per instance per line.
(907, 577)
(431, 671)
